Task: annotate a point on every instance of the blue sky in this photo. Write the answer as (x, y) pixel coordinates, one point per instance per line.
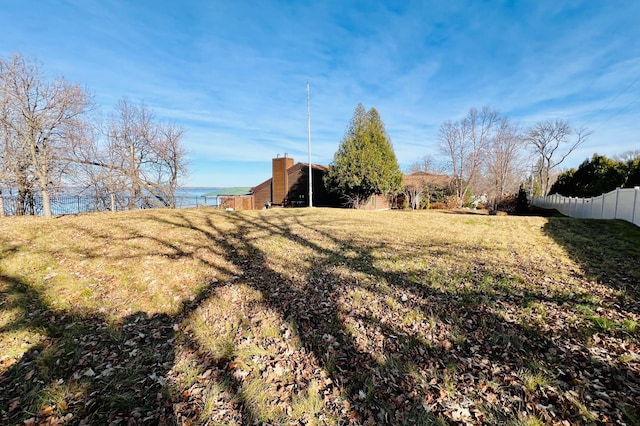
(233, 73)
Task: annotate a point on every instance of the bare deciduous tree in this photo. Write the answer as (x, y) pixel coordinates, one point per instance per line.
(420, 180)
(41, 118)
(414, 186)
(552, 142)
(627, 156)
(5, 175)
(171, 159)
(15, 172)
(465, 144)
(145, 156)
(95, 173)
(505, 162)
(425, 164)
(46, 141)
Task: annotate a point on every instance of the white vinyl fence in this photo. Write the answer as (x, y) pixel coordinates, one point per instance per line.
(623, 203)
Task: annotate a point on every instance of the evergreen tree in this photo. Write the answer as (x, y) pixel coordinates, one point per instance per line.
(564, 184)
(365, 163)
(522, 203)
(593, 177)
(633, 173)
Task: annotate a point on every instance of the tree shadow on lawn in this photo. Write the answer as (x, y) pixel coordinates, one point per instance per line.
(607, 250)
(384, 346)
(84, 368)
(391, 368)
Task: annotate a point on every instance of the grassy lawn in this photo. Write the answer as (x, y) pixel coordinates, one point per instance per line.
(318, 316)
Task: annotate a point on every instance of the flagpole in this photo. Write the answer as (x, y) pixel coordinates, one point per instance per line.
(309, 146)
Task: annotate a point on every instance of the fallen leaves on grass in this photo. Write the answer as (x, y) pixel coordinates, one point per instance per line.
(321, 317)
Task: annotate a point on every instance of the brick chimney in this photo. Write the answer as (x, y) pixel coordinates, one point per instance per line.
(280, 187)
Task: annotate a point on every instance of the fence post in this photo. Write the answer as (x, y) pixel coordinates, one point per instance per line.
(635, 201)
(572, 208)
(581, 208)
(617, 198)
(561, 204)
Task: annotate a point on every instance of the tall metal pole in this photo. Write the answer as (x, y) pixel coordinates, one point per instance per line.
(309, 146)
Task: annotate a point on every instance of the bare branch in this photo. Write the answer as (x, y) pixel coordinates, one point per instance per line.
(551, 142)
(41, 118)
(465, 143)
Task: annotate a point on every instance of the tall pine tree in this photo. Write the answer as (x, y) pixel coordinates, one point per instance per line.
(365, 163)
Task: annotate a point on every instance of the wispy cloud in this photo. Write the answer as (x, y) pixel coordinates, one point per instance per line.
(234, 73)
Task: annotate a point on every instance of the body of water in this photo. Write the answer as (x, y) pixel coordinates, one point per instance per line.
(193, 191)
(71, 201)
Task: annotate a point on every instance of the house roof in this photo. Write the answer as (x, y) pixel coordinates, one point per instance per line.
(261, 185)
(313, 166)
(290, 170)
(413, 179)
(424, 178)
(228, 192)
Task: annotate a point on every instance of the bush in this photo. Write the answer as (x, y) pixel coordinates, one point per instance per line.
(438, 206)
(452, 202)
(507, 204)
(522, 203)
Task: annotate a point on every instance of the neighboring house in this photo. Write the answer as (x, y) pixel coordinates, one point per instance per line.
(422, 188)
(238, 198)
(379, 202)
(288, 186)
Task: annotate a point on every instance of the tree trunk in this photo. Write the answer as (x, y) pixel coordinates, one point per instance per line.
(31, 203)
(46, 204)
(21, 201)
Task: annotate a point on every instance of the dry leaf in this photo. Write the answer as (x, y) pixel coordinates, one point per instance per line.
(48, 410)
(15, 403)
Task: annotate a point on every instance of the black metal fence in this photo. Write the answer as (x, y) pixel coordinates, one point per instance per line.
(73, 204)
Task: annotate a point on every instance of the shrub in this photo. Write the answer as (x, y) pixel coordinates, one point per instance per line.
(522, 203)
(507, 204)
(452, 202)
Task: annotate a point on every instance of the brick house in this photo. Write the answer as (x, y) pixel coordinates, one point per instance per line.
(288, 186)
(423, 187)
